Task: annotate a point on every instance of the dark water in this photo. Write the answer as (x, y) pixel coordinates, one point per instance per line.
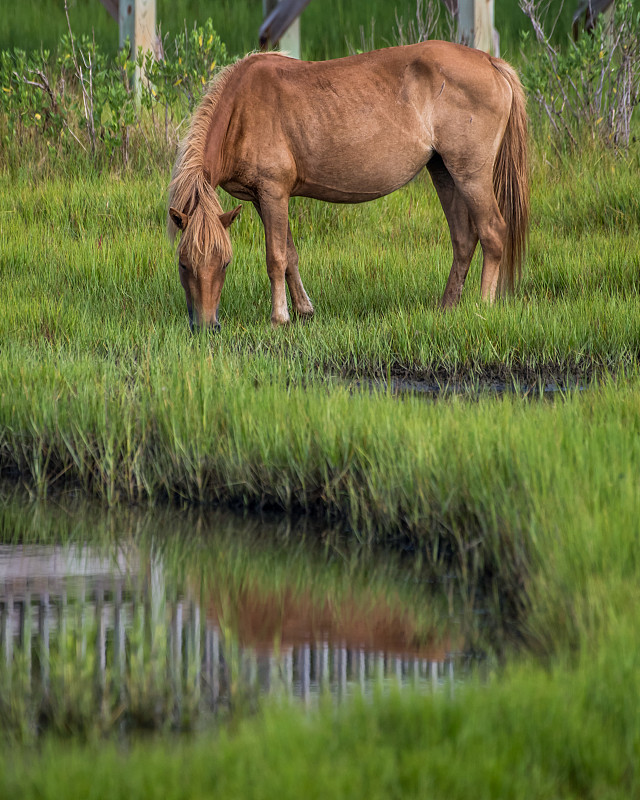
(174, 621)
(402, 387)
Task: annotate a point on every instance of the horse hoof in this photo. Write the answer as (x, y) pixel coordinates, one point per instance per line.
(304, 313)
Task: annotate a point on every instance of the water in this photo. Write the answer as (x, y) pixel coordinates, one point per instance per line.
(178, 620)
(402, 387)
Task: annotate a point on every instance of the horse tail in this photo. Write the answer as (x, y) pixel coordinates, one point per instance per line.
(511, 181)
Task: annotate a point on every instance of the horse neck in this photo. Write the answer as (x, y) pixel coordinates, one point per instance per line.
(214, 150)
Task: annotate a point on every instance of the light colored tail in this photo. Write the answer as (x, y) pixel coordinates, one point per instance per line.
(511, 181)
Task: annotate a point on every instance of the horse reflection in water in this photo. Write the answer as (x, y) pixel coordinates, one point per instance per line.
(347, 131)
(158, 653)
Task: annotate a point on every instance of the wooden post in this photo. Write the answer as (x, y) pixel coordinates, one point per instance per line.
(475, 25)
(136, 21)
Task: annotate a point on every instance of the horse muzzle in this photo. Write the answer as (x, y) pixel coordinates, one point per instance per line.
(198, 327)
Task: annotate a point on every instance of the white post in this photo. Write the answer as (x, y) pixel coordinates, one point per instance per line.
(475, 25)
(290, 42)
(290, 39)
(137, 21)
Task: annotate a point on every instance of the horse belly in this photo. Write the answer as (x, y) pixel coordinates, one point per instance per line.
(348, 173)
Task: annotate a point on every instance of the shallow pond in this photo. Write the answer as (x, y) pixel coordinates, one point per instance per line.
(172, 619)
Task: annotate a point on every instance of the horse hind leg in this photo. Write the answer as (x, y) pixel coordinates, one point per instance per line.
(464, 237)
(489, 223)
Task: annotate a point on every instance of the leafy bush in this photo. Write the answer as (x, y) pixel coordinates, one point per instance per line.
(184, 69)
(591, 87)
(85, 100)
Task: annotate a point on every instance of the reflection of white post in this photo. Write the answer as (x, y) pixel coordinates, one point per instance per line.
(195, 655)
(434, 675)
(83, 622)
(251, 668)
(101, 635)
(287, 661)
(43, 625)
(136, 669)
(63, 610)
(176, 649)
(7, 629)
(119, 636)
(305, 671)
(380, 667)
(362, 669)
(26, 633)
(322, 664)
(158, 602)
(342, 671)
(475, 25)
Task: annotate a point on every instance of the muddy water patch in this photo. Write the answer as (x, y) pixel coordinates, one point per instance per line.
(434, 390)
(169, 621)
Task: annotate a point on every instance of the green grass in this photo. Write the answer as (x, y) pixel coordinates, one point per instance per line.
(375, 273)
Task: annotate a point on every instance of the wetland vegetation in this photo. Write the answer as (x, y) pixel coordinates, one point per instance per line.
(516, 503)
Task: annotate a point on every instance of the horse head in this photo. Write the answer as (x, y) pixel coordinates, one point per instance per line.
(204, 253)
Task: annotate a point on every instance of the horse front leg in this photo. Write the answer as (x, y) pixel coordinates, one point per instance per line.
(300, 299)
(274, 213)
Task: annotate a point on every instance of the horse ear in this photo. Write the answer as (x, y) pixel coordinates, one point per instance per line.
(227, 218)
(179, 219)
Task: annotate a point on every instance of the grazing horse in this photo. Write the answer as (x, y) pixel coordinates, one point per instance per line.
(346, 131)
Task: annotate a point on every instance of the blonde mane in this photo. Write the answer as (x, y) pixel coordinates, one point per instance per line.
(190, 190)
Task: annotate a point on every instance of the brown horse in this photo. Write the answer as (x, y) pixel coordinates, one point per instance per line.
(346, 131)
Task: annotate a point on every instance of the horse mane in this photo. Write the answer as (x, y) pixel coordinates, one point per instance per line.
(190, 190)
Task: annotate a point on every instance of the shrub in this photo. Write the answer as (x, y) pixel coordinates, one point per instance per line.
(592, 86)
(84, 100)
